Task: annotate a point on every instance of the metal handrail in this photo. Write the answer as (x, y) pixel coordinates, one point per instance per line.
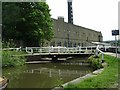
(59, 49)
(98, 50)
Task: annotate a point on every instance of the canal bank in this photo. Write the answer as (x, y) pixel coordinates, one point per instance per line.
(80, 79)
(107, 79)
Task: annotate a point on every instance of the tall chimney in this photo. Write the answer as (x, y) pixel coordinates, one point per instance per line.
(70, 12)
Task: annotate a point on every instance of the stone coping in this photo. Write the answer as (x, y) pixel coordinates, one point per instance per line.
(78, 80)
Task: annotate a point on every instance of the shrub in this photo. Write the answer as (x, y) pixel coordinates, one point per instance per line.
(8, 44)
(7, 56)
(95, 62)
(9, 60)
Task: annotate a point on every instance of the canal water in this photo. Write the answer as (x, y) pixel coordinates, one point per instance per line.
(47, 75)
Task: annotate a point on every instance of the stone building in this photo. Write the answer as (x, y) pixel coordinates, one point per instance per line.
(70, 35)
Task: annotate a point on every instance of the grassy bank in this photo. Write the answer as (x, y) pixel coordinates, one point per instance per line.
(9, 60)
(106, 79)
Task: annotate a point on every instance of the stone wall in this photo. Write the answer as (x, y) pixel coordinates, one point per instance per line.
(67, 34)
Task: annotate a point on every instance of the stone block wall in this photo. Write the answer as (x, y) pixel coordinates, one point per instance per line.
(67, 34)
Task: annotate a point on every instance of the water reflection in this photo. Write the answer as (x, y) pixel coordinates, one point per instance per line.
(46, 75)
(57, 72)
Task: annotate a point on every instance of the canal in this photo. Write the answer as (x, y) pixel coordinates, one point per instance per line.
(46, 75)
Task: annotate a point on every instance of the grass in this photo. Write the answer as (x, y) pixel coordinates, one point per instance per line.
(106, 79)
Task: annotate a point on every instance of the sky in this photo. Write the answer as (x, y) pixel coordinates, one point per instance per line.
(99, 15)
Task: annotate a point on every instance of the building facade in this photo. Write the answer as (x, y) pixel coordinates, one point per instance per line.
(70, 35)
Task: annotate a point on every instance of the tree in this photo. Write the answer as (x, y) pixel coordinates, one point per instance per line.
(27, 21)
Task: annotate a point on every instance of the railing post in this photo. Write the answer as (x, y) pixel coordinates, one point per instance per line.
(105, 49)
(97, 49)
(31, 51)
(86, 50)
(26, 49)
(49, 49)
(79, 49)
(96, 52)
(76, 49)
(20, 48)
(58, 49)
(65, 50)
(40, 50)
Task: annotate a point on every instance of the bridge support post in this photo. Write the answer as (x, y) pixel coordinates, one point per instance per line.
(54, 58)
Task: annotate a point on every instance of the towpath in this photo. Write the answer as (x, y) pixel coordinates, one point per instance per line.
(113, 54)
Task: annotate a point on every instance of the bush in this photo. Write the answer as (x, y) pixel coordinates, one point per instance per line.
(8, 44)
(95, 62)
(7, 56)
(9, 60)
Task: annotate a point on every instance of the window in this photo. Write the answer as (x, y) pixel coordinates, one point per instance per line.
(70, 44)
(87, 38)
(59, 44)
(74, 44)
(82, 44)
(65, 44)
(78, 44)
(99, 38)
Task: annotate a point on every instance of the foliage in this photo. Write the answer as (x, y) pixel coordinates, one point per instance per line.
(95, 62)
(8, 44)
(27, 21)
(7, 56)
(106, 79)
(58, 82)
(9, 60)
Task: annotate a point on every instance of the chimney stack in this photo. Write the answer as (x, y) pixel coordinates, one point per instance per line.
(70, 12)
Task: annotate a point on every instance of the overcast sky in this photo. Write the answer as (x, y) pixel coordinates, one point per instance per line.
(99, 15)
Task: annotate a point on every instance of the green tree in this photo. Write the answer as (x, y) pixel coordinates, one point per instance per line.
(27, 21)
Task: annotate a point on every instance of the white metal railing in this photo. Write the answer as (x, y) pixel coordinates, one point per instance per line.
(16, 49)
(59, 49)
(98, 50)
(87, 50)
